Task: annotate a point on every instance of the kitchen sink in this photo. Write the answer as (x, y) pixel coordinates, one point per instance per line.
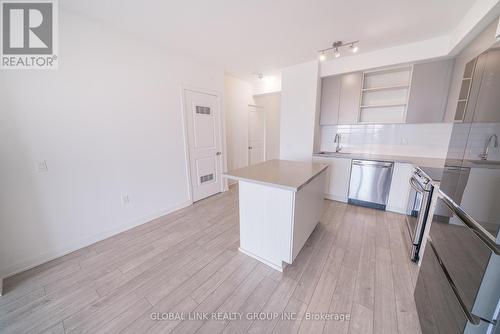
(331, 153)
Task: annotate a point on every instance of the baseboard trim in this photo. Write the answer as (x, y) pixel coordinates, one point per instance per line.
(32, 262)
(267, 263)
(396, 209)
(336, 198)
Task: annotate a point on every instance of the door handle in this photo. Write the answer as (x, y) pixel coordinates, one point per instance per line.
(375, 164)
(218, 153)
(250, 147)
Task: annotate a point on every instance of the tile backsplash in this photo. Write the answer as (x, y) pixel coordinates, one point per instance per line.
(421, 140)
(476, 139)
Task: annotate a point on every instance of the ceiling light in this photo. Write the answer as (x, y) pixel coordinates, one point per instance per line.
(336, 49)
(269, 79)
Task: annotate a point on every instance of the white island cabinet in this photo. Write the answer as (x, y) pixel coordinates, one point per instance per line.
(280, 204)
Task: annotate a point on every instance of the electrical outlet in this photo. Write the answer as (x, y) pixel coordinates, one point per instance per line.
(125, 199)
(404, 140)
(42, 166)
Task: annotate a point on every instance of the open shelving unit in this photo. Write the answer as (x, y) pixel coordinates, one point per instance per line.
(384, 95)
(465, 88)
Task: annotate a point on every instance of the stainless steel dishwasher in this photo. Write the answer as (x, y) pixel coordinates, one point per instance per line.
(370, 183)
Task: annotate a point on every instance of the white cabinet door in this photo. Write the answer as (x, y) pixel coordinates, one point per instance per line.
(327, 178)
(488, 100)
(350, 93)
(430, 84)
(338, 175)
(330, 96)
(400, 188)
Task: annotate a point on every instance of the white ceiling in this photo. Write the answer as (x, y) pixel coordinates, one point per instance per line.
(249, 36)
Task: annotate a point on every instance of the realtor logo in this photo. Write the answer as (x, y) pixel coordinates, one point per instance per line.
(28, 34)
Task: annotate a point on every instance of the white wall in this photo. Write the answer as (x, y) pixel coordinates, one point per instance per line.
(272, 107)
(237, 97)
(108, 122)
(299, 111)
(418, 140)
(270, 83)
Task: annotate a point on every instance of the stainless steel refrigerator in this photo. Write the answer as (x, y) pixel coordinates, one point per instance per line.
(458, 287)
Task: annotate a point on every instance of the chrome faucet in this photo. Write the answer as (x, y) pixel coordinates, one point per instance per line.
(484, 156)
(337, 140)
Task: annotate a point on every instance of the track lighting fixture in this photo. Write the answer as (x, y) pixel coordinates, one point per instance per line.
(323, 54)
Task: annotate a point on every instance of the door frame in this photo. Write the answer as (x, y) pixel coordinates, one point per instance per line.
(222, 132)
(262, 110)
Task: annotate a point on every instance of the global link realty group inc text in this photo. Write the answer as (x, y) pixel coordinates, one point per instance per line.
(233, 316)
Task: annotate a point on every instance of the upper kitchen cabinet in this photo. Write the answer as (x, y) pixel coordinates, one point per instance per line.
(349, 98)
(488, 96)
(404, 94)
(429, 91)
(330, 97)
(340, 99)
(478, 98)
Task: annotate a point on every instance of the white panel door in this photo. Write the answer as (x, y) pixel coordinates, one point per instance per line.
(204, 139)
(256, 136)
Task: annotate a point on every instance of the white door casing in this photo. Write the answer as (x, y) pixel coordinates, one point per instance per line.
(203, 123)
(256, 135)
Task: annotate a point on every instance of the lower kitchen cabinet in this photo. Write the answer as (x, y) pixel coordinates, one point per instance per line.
(400, 188)
(338, 175)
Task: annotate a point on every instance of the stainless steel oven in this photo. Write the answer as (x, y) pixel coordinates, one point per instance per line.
(418, 210)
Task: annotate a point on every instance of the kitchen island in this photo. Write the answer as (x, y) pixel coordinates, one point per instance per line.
(280, 204)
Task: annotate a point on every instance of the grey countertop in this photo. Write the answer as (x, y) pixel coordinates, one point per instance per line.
(290, 175)
(417, 161)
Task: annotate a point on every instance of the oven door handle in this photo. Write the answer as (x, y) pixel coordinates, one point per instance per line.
(471, 223)
(468, 314)
(415, 185)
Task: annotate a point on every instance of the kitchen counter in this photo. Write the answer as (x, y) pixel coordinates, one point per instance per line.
(436, 174)
(487, 164)
(291, 175)
(417, 161)
(280, 204)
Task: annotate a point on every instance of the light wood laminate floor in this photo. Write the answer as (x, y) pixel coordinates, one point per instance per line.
(355, 263)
